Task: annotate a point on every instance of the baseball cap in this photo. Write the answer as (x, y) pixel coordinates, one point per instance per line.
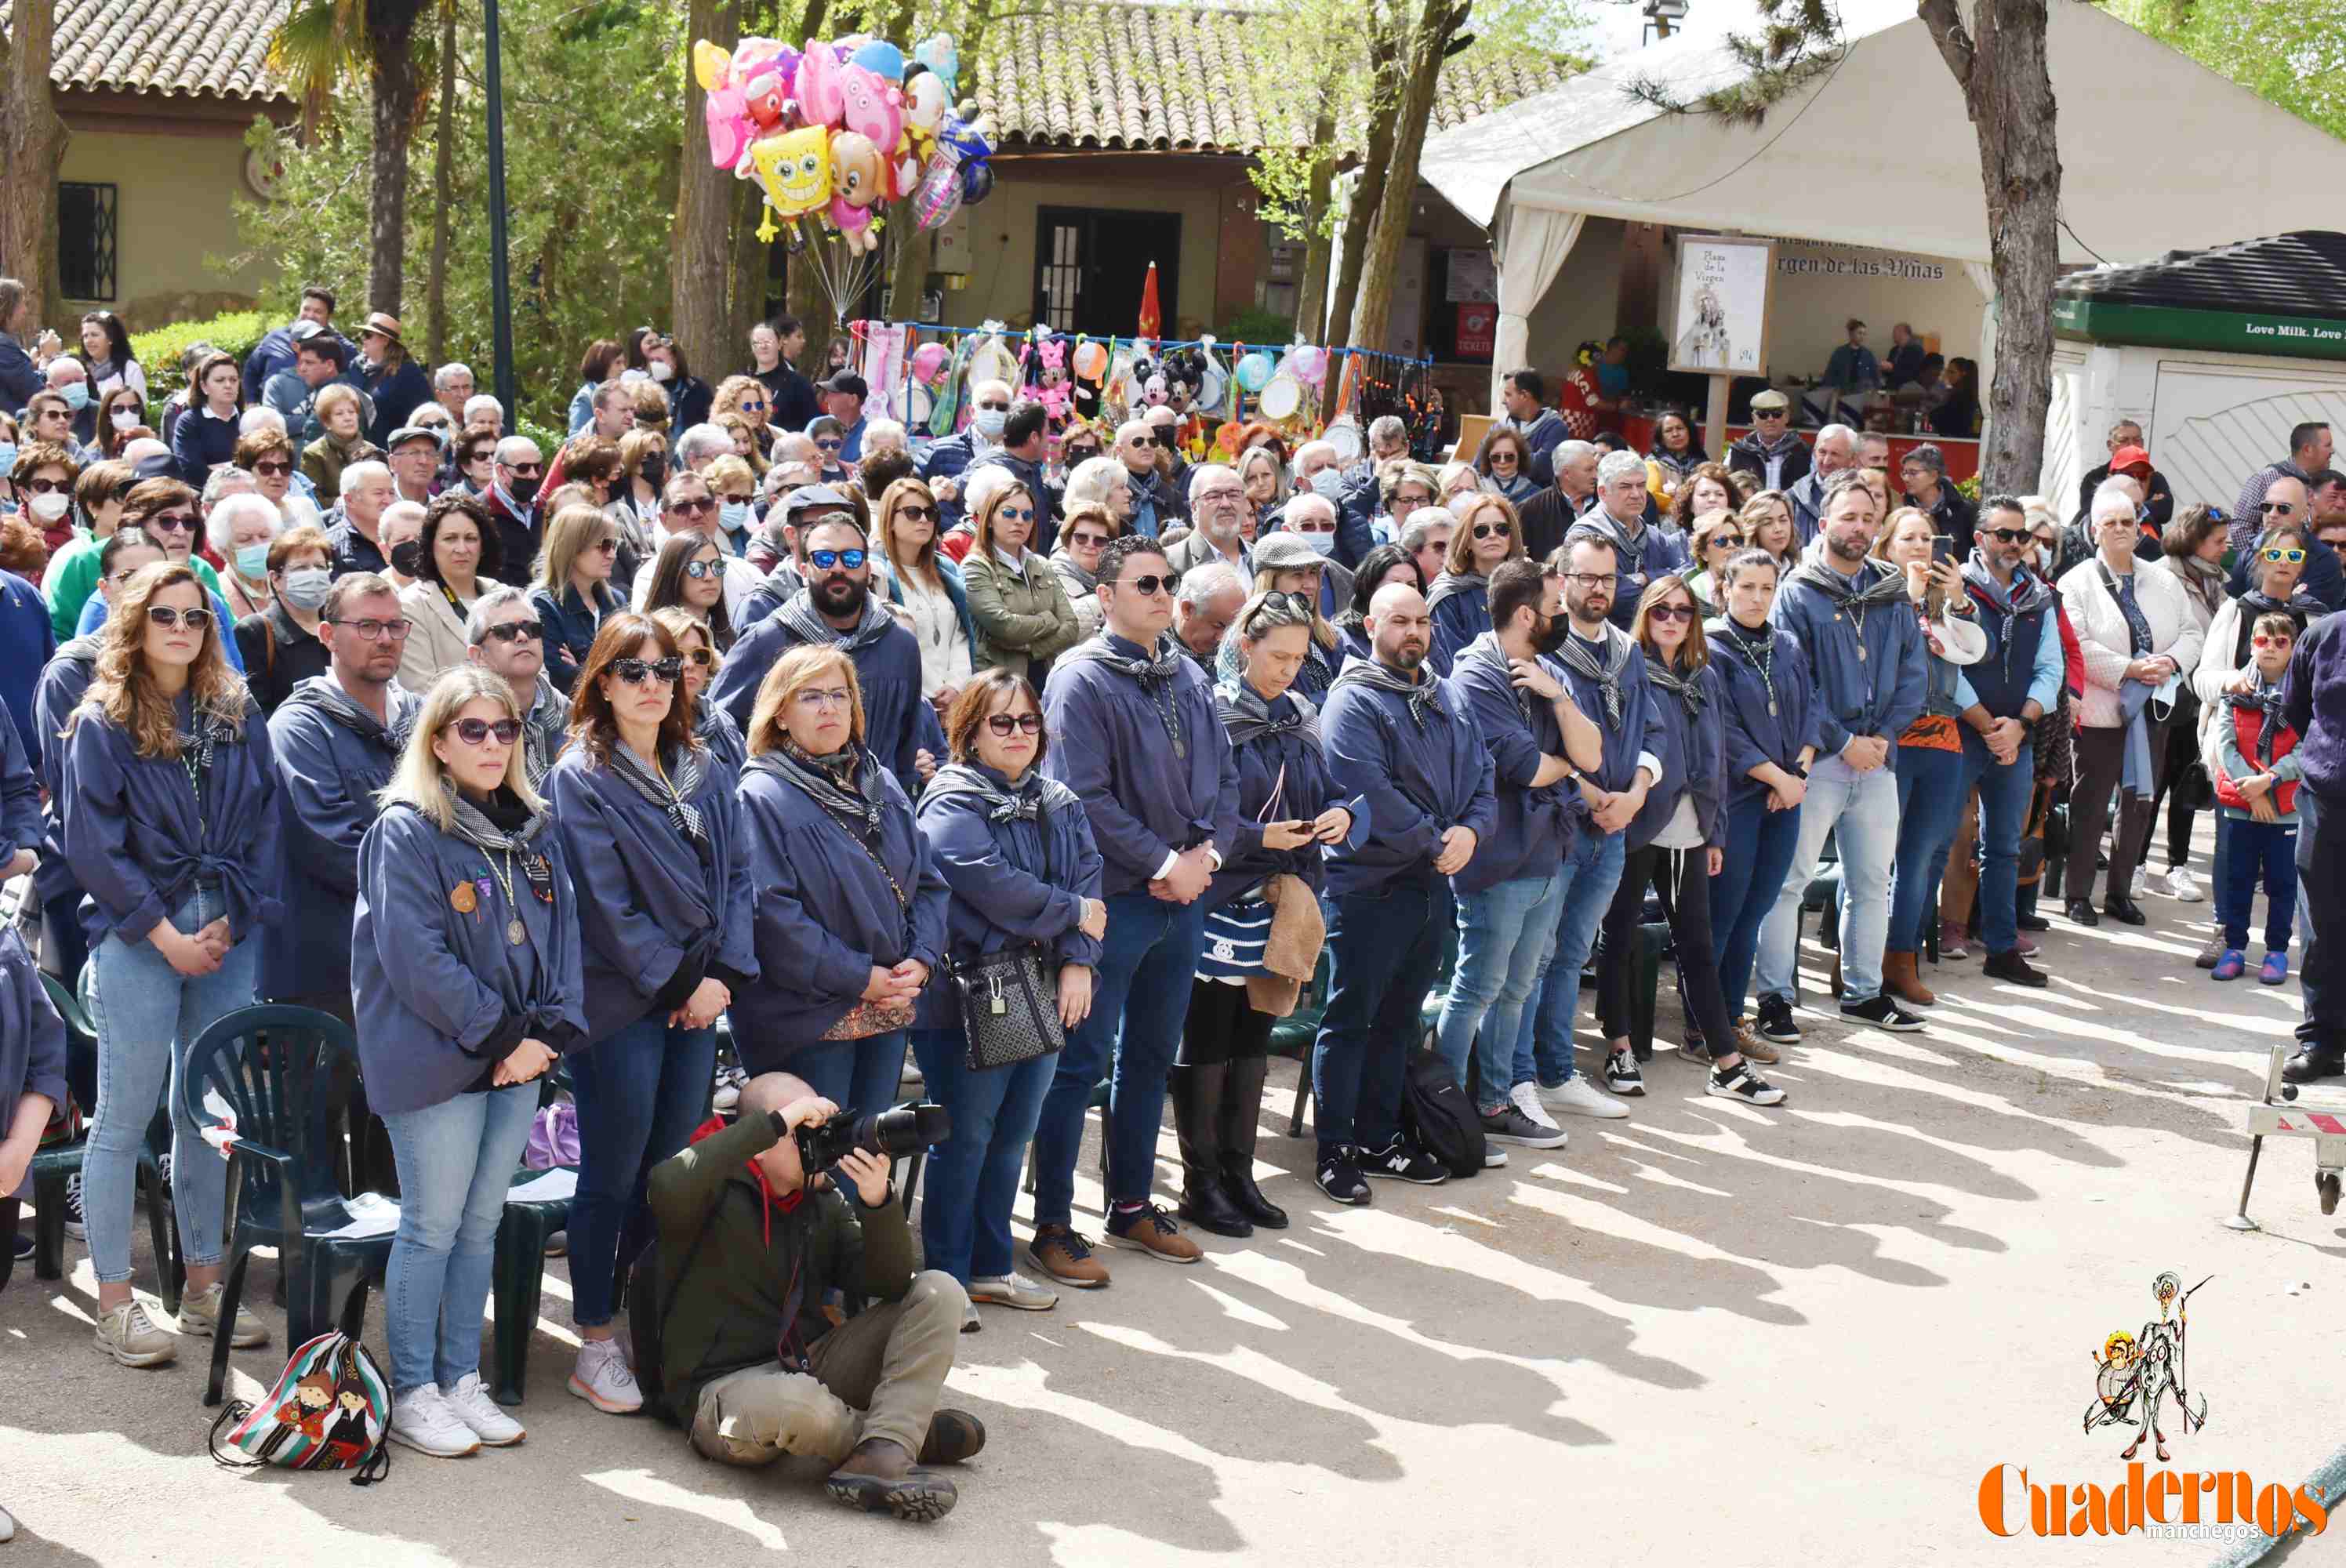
(2126, 457)
(850, 383)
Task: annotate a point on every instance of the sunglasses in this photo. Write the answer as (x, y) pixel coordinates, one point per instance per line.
(697, 507)
(995, 407)
(2009, 536)
(1670, 612)
(701, 658)
(750, 407)
(608, 547)
(515, 631)
(273, 470)
(1015, 515)
(2269, 642)
(525, 470)
(1086, 541)
(1147, 586)
(1003, 723)
(913, 512)
(697, 570)
(1141, 443)
(1727, 541)
(2277, 552)
(1504, 530)
(2277, 508)
(831, 445)
(172, 523)
(737, 500)
(50, 486)
(164, 616)
(474, 731)
(636, 671)
(1079, 454)
(824, 560)
(1771, 413)
(375, 631)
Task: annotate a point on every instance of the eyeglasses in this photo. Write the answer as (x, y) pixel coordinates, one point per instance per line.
(1670, 612)
(1147, 586)
(823, 697)
(1504, 530)
(2277, 508)
(2278, 553)
(50, 486)
(372, 631)
(701, 658)
(824, 560)
(2264, 641)
(1086, 541)
(172, 523)
(1003, 723)
(697, 570)
(2008, 536)
(475, 731)
(515, 631)
(273, 470)
(833, 444)
(636, 671)
(696, 506)
(164, 616)
(1230, 495)
(995, 407)
(913, 512)
(1586, 580)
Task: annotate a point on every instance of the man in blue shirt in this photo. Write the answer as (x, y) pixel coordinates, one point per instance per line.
(843, 397)
(1867, 665)
(1999, 700)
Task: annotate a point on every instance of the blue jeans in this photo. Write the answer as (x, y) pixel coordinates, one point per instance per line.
(1140, 995)
(2257, 852)
(1930, 805)
(1863, 809)
(1383, 948)
(1759, 848)
(858, 1075)
(973, 1175)
(147, 1015)
(640, 1093)
(1591, 870)
(1503, 933)
(2005, 790)
(456, 1159)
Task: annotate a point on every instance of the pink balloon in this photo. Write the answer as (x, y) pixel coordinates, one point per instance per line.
(928, 361)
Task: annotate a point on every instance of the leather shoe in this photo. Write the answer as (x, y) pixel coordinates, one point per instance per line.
(2012, 969)
(2081, 912)
(2124, 909)
(953, 1436)
(2034, 922)
(2311, 1065)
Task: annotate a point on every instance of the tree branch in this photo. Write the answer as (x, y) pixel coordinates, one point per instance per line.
(1944, 18)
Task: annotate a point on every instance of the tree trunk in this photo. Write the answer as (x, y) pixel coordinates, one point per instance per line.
(36, 140)
(1368, 192)
(1311, 299)
(444, 193)
(747, 276)
(2001, 66)
(391, 39)
(700, 253)
(1426, 43)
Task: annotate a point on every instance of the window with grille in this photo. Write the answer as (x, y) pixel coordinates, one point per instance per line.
(86, 241)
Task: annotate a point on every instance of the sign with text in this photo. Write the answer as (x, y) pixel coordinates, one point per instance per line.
(1721, 323)
(1478, 332)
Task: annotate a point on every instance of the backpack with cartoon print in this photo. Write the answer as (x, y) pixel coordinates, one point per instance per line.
(331, 1409)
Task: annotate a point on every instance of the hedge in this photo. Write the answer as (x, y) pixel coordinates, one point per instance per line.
(234, 334)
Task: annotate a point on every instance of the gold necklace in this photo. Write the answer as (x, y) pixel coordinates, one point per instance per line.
(515, 932)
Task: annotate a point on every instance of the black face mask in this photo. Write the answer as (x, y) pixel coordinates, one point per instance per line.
(524, 488)
(655, 472)
(407, 556)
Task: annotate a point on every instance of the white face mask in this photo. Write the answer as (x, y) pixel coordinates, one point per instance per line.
(1323, 539)
(990, 420)
(50, 506)
(662, 370)
(1328, 481)
(125, 419)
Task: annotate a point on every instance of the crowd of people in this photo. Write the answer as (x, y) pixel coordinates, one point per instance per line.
(1012, 772)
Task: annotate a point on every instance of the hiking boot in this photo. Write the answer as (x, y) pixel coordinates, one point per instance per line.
(1883, 1012)
(199, 1313)
(880, 1477)
(1151, 1230)
(1067, 1257)
(1741, 1082)
(953, 1436)
(130, 1336)
(2012, 969)
(1776, 1021)
(1338, 1174)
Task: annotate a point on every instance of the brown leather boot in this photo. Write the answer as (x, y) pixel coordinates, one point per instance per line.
(1901, 979)
(880, 1477)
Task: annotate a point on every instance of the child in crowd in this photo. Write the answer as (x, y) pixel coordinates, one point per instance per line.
(2251, 752)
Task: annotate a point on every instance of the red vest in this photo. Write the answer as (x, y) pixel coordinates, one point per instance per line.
(2248, 724)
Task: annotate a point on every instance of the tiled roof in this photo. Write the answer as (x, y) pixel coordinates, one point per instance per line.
(171, 48)
(1157, 75)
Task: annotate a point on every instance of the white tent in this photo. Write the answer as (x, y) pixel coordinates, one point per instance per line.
(2158, 153)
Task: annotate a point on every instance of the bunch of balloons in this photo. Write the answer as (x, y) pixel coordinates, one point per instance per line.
(836, 132)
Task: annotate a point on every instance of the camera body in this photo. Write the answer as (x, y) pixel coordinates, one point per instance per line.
(897, 1131)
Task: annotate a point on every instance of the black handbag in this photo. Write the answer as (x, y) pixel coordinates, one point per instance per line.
(1008, 1013)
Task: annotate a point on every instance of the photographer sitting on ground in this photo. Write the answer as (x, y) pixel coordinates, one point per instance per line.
(748, 1362)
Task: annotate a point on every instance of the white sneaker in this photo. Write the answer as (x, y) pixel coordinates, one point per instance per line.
(1525, 1098)
(604, 1379)
(2141, 884)
(1577, 1097)
(1014, 1290)
(421, 1419)
(2182, 885)
(471, 1404)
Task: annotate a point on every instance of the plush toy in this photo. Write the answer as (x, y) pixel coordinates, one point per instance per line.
(858, 180)
(794, 171)
(1052, 392)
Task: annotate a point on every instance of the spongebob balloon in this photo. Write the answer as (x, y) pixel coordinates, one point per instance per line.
(794, 171)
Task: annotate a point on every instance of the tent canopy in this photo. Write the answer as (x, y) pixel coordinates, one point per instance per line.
(2158, 153)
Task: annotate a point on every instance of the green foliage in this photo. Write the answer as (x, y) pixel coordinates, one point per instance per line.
(1794, 42)
(2292, 55)
(1282, 178)
(1257, 325)
(1969, 488)
(159, 350)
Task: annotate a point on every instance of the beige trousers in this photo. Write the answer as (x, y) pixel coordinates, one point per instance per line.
(877, 1375)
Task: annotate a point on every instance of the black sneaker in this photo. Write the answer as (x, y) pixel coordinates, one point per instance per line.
(1621, 1075)
(2012, 969)
(1741, 1082)
(74, 1227)
(2081, 911)
(1883, 1012)
(1402, 1160)
(1338, 1174)
(1508, 1125)
(1776, 1021)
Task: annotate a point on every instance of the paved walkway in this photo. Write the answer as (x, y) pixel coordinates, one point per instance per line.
(1706, 1334)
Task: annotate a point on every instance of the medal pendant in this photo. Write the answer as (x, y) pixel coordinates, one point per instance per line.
(1861, 653)
(1771, 707)
(515, 932)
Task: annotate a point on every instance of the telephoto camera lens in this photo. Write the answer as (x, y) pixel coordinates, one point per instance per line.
(903, 1130)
